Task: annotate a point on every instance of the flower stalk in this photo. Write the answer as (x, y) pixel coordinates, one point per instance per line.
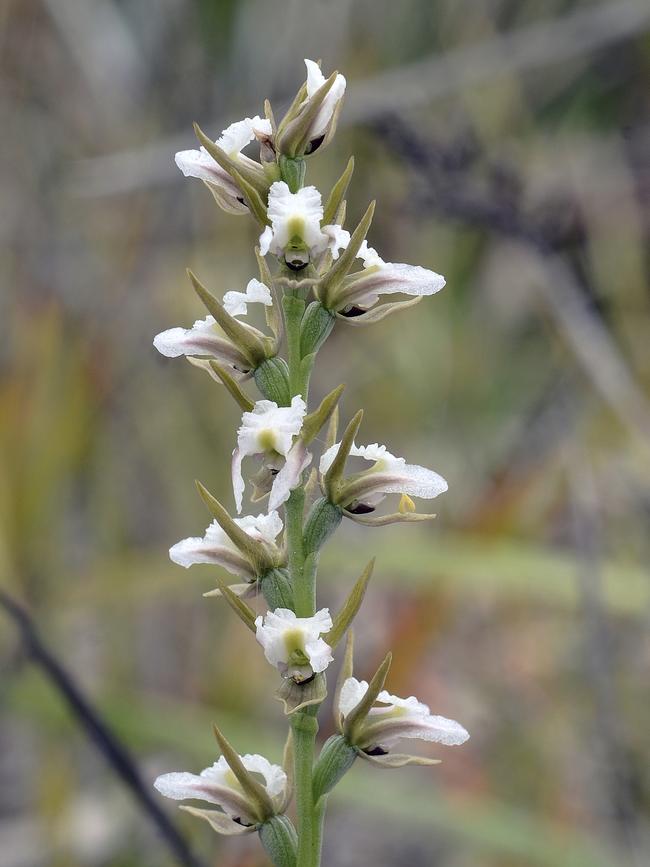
(310, 282)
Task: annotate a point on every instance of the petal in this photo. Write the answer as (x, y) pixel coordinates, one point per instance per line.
(235, 303)
(339, 239)
(397, 760)
(220, 822)
(351, 693)
(181, 786)
(315, 79)
(201, 339)
(298, 459)
(241, 133)
(437, 729)
(275, 777)
(199, 164)
(319, 654)
(237, 479)
(287, 210)
(265, 240)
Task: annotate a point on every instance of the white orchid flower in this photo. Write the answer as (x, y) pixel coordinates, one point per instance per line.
(322, 123)
(361, 291)
(217, 549)
(205, 337)
(389, 720)
(272, 431)
(293, 644)
(295, 231)
(389, 474)
(200, 164)
(218, 785)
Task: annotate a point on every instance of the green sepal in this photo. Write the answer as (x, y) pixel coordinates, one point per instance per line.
(352, 604)
(358, 714)
(337, 195)
(280, 841)
(241, 336)
(232, 386)
(334, 475)
(272, 379)
(254, 791)
(253, 175)
(277, 590)
(241, 608)
(297, 696)
(314, 422)
(340, 268)
(252, 197)
(248, 546)
(315, 328)
(335, 760)
(293, 137)
(323, 520)
(293, 172)
(376, 314)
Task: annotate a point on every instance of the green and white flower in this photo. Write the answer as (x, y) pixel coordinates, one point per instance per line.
(272, 431)
(293, 644)
(218, 785)
(200, 164)
(295, 233)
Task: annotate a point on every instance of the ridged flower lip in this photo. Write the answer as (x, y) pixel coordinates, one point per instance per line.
(294, 644)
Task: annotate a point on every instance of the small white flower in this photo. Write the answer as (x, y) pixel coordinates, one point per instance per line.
(216, 547)
(270, 430)
(394, 718)
(218, 785)
(205, 338)
(293, 644)
(296, 221)
(389, 475)
(362, 290)
(315, 80)
(236, 303)
(199, 164)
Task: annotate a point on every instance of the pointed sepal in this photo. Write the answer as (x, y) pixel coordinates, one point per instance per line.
(254, 791)
(334, 475)
(220, 822)
(337, 196)
(313, 423)
(232, 386)
(358, 714)
(352, 604)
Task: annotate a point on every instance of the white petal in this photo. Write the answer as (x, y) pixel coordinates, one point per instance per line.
(352, 692)
(369, 255)
(235, 303)
(315, 79)
(263, 528)
(413, 480)
(298, 459)
(373, 452)
(239, 134)
(275, 777)
(237, 479)
(319, 654)
(200, 339)
(339, 239)
(269, 423)
(289, 212)
(265, 240)
(199, 164)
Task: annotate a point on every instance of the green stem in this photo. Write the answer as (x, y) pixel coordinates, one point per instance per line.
(294, 511)
(294, 309)
(317, 832)
(305, 727)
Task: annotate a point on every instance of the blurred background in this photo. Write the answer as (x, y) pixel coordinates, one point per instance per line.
(507, 144)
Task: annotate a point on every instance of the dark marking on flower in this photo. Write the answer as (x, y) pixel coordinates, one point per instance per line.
(352, 311)
(359, 508)
(376, 751)
(314, 144)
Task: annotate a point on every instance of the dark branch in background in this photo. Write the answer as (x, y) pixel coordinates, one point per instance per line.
(444, 184)
(106, 741)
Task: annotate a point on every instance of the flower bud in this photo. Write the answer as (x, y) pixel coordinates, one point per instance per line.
(280, 841)
(316, 326)
(277, 590)
(323, 519)
(335, 760)
(272, 379)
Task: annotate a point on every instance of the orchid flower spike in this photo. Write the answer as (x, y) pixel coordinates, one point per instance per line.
(205, 338)
(388, 721)
(218, 785)
(355, 299)
(295, 233)
(217, 549)
(200, 164)
(360, 494)
(272, 431)
(293, 644)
